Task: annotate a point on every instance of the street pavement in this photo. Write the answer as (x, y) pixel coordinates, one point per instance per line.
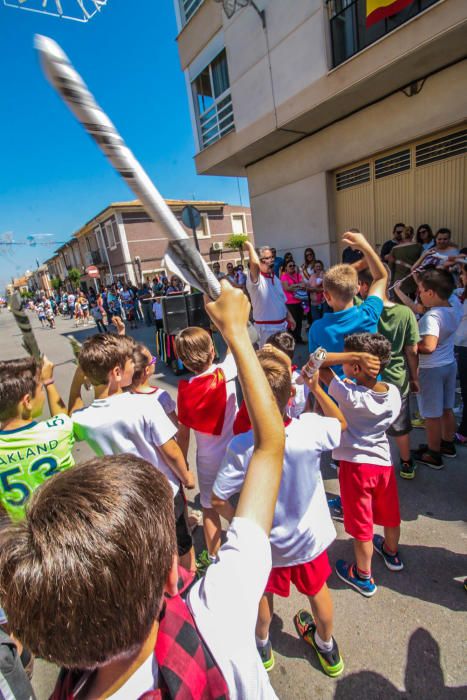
(409, 640)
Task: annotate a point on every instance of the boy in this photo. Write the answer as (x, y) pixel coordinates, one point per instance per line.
(118, 422)
(30, 452)
(106, 522)
(207, 403)
(437, 366)
(285, 342)
(340, 284)
(366, 476)
(96, 313)
(398, 324)
(302, 529)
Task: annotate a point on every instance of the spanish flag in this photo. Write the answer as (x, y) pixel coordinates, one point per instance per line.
(377, 10)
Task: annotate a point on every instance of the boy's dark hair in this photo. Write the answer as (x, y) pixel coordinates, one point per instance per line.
(82, 577)
(365, 277)
(141, 361)
(283, 341)
(277, 373)
(101, 353)
(439, 281)
(373, 343)
(194, 348)
(17, 378)
(444, 231)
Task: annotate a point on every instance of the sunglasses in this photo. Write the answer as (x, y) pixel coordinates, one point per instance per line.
(269, 257)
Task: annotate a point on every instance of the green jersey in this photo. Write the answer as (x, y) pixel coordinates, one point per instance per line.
(29, 456)
(398, 324)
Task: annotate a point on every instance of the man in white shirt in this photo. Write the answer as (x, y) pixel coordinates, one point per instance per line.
(270, 312)
(108, 557)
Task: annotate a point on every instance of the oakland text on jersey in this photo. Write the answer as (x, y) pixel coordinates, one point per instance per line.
(18, 456)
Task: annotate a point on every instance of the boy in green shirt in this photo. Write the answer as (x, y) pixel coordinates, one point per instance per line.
(399, 325)
(30, 451)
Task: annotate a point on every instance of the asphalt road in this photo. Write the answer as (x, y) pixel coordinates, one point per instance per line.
(409, 640)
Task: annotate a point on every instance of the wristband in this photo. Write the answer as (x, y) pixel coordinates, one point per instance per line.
(48, 382)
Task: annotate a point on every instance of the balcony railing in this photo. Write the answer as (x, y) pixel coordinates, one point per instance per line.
(94, 257)
(188, 8)
(217, 121)
(349, 33)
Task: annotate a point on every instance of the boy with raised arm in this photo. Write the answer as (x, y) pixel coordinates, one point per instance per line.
(104, 521)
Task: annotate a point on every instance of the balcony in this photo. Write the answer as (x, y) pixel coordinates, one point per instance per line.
(349, 33)
(217, 121)
(94, 257)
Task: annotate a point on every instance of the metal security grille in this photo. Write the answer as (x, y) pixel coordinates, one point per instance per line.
(394, 163)
(189, 7)
(444, 147)
(352, 177)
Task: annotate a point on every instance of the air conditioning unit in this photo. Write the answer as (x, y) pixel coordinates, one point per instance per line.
(217, 246)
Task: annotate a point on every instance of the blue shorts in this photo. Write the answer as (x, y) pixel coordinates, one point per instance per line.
(437, 389)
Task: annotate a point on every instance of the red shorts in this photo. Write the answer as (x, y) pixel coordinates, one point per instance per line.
(369, 496)
(308, 578)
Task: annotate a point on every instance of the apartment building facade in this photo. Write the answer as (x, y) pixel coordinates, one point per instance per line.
(123, 243)
(335, 123)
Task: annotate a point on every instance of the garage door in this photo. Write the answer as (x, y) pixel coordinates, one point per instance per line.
(422, 183)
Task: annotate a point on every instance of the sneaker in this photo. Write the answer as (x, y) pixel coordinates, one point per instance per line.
(348, 574)
(335, 506)
(418, 422)
(331, 661)
(428, 457)
(448, 449)
(392, 561)
(267, 656)
(203, 562)
(407, 469)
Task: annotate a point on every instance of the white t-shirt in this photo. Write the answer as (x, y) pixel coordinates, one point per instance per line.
(461, 334)
(127, 423)
(302, 528)
(442, 322)
(368, 414)
(143, 680)
(298, 401)
(267, 298)
(157, 310)
(224, 605)
(210, 449)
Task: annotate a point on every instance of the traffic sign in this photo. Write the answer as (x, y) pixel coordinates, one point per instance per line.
(191, 217)
(92, 271)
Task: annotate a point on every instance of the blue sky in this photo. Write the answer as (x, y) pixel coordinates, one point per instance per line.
(53, 178)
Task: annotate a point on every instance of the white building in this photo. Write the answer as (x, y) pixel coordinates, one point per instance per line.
(334, 124)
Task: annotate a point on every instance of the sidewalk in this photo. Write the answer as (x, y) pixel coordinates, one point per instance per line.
(407, 641)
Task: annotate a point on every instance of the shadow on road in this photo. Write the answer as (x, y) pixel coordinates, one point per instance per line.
(423, 677)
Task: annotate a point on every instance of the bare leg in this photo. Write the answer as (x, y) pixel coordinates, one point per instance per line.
(363, 554)
(323, 613)
(265, 613)
(188, 561)
(403, 445)
(433, 433)
(391, 538)
(212, 530)
(448, 425)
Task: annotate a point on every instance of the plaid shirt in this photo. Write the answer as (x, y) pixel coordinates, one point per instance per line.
(187, 670)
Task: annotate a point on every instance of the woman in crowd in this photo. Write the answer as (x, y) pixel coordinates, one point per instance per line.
(230, 276)
(240, 277)
(314, 285)
(295, 293)
(176, 286)
(401, 259)
(309, 260)
(443, 247)
(288, 257)
(425, 236)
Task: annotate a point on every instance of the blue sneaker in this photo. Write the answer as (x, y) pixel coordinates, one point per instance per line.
(348, 574)
(393, 562)
(335, 506)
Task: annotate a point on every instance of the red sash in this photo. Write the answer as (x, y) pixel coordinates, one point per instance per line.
(202, 402)
(242, 422)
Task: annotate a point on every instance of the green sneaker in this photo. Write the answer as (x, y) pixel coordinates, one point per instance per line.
(418, 422)
(267, 656)
(407, 469)
(203, 562)
(331, 661)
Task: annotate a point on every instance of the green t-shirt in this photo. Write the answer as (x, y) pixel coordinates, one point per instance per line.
(29, 456)
(399, 325)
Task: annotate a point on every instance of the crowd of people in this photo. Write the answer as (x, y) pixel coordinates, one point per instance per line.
(98, 573)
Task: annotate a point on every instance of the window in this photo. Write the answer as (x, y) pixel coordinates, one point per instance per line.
(213, 101)
(349, 33)
(238, 223)
(188, 8)
(353, 176)
(203, 230)
(110, 230)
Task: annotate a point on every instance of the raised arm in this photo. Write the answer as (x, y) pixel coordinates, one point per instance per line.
(377, 270)
(75, 402)
(413, 305)
(230, 314)
(328, 406)
(55, 401)
(249, 248)
(369, 363)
